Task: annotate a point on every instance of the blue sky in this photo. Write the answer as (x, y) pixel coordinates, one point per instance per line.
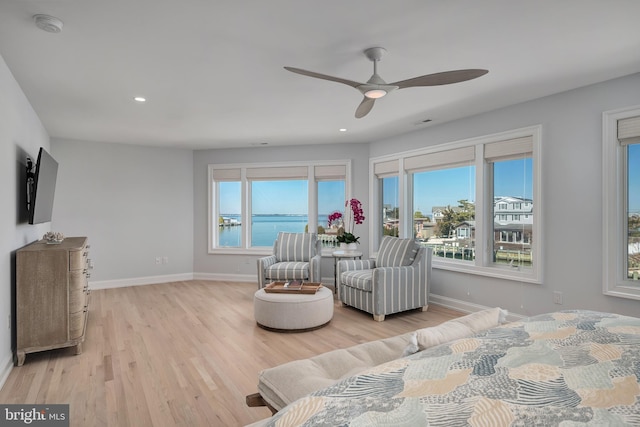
(272, 197)
(435, 188)
(444, 187)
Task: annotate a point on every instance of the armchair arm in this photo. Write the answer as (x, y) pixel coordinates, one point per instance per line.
(314, 268)
(263, 263)
(315, 262)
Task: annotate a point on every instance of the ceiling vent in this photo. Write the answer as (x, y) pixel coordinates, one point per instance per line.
(48, 23)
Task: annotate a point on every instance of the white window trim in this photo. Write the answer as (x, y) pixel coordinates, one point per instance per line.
(614, 281)
(246, 199)
(481, 266)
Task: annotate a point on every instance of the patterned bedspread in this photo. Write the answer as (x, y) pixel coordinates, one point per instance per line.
(570, 368)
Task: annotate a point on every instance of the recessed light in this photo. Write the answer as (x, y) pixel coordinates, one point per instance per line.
(342, 130)
(139, 99)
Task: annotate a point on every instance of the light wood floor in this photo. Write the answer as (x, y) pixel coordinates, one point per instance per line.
(182, 354)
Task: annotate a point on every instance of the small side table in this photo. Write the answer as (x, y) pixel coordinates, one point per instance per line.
(337, 255)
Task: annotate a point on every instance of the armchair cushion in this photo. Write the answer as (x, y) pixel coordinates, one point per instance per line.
(359, 279)
(298, 247)
(396, 252)
(288, 271)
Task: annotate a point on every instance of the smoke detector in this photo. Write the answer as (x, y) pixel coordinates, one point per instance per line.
(48, 23)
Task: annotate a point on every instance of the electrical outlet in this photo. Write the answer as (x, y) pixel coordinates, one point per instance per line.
(165, 260)
(557, 297)
(158, 260)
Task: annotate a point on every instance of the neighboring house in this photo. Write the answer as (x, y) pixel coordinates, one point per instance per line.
(438, 212)
(512, 210)
(424, 228)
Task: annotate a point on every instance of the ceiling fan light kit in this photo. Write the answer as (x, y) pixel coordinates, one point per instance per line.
(375, 93)
(376, 87)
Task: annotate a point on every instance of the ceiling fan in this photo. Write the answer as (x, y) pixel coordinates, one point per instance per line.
(376, 87)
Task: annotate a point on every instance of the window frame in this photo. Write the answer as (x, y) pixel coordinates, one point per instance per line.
(614, 207)
(483, 264)
(245, 185)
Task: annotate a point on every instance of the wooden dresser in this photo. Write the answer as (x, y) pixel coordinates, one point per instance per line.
(52, 296)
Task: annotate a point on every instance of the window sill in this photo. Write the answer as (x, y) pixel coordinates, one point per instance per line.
(622, 291)
(506, 273)
(241, 251)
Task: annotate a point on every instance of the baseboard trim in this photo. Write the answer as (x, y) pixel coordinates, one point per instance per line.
(226, 277)
(5, 369)
(139, 281)
(465, 306)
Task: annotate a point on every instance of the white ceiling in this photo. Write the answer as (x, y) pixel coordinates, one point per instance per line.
(212, 71)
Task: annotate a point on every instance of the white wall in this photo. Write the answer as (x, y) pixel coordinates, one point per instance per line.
(571, 191)
(21, 135)
(134, 203)
(244, 266)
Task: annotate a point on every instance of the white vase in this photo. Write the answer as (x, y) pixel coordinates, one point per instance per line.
(352, 247)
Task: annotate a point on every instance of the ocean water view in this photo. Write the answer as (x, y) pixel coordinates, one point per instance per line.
(264, 228)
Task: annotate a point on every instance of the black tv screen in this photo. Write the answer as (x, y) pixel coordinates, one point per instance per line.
(43, 189)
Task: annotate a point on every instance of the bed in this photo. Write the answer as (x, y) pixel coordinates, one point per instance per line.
(566, 368)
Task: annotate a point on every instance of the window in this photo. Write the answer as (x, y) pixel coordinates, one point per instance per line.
(621, 202)
(444, 193)
(510, 163)
(230, 214)
(276, 206)
(250, 204)
(474, 202)
(331, 198)
(390, 206)
(386, 200)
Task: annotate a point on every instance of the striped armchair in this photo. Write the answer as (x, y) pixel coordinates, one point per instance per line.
(397, 280)
(295, 256)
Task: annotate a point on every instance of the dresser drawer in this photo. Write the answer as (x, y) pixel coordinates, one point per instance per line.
(77, 300)
(76, 323)
(77, 280)
(78, 259)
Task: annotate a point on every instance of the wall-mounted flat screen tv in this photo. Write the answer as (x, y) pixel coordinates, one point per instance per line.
(42, 188)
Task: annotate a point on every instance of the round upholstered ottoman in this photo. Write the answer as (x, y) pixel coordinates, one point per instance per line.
(293, 312)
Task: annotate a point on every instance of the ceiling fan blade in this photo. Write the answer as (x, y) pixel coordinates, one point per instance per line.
(365, 106)
(444, 78)
(322, 76)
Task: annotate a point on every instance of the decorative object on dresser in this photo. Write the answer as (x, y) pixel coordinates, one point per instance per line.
(53, 237)
(52, 296)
